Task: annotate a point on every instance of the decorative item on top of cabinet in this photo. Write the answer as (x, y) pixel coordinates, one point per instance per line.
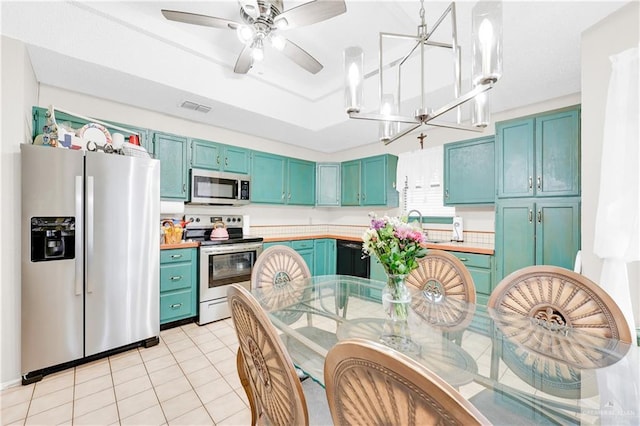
(370, 181)
(539, 155)
(178, 284)
(215, 156)
(282, 180)
(469, 172)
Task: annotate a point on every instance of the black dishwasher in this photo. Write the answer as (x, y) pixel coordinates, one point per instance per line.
(350, 261)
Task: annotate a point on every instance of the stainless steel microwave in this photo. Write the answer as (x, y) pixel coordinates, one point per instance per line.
(219, 188)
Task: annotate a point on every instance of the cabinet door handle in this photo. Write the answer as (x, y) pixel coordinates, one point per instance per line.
(530, 183)
(226, 161)
(539, 216)
(176, 256)
(463, 259)
(282, 196)
(175, 305)
(289, 196)
(530, 216)
(446, 193)
(184, 187)
(364, 197)
(218, 159)
(540, 182)
(176, 278)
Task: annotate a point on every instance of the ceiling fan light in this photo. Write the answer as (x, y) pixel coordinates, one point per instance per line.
(281, 23)
(257, 51)
(278, 41)
(245, 33)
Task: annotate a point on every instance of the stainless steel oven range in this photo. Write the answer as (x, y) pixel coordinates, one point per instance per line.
(223, 262)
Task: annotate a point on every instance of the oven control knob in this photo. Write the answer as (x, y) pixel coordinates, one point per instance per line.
(197, 219)
(228, 219)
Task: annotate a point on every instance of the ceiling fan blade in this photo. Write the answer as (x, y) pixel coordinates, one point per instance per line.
(301, 57)
(196, 19)
(244, 62)
(310, 13)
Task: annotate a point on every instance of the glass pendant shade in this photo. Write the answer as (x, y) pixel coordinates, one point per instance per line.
(480, 116)
(486, 65)
(353, 78)
(388, 129)
(245, 33)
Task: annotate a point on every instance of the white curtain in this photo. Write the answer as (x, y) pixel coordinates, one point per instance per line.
(617, 233)
(617, 229)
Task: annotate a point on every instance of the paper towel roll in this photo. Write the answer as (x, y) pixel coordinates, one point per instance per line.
(246, 225)
(171, 207)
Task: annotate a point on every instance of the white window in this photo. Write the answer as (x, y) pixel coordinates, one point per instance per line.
(420, 175)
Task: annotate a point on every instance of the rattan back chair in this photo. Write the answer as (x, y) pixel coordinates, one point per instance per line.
(588, 324)
(368, 383)
(275, 273)
(558, 297)
(264, 367)
(446, 287)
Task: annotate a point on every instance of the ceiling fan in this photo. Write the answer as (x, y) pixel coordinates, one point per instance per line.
(262, 20)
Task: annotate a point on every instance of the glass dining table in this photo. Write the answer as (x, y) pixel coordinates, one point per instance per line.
(514, 369)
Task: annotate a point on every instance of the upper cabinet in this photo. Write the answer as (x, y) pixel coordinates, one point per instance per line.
(214, 156)
(469, 172)
(539, 156)
(281, 180)
(370, 181)
(328, 184)
(171, 150)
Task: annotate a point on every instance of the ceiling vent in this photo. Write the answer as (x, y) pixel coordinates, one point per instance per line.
(195, 107)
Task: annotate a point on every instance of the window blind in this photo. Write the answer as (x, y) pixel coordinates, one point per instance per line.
(422, 174)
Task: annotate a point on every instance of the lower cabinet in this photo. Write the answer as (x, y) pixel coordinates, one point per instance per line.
(480, 267)
(178, 284)
(536, 231)
(305, 249)
(324, 256)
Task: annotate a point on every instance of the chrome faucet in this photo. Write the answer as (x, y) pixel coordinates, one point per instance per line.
(420, 215)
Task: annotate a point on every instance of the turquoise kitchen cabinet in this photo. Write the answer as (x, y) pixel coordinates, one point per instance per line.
(539, 156)
(370, 181)
(536, 232)
(377, 273)
(469, 172)
(305, 248)
(328, 184)
(275, 243)
(171, 150)
(350, 183)
(324, 252)
(301, 182)
(282, 180)
(268, 174)
(178, 284)
(215, 156)
(480, 267)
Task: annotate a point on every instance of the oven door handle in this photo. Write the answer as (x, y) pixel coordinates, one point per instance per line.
(231, 248)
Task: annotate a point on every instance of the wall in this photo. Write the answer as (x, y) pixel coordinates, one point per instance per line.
(598, 43)
(18, 93)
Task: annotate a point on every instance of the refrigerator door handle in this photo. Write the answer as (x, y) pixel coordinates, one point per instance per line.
(89, 253)
(79, 277)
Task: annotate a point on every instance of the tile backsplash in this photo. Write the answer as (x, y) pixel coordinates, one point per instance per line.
(355, 231)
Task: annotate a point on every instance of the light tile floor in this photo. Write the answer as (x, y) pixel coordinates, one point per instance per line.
(189, 378)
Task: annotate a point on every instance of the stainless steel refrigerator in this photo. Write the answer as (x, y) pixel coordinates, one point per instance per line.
(90, 255)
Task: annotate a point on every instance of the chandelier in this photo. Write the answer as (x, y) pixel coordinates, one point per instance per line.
(486, 69)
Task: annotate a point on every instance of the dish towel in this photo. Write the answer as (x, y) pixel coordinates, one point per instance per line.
(617, 229)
